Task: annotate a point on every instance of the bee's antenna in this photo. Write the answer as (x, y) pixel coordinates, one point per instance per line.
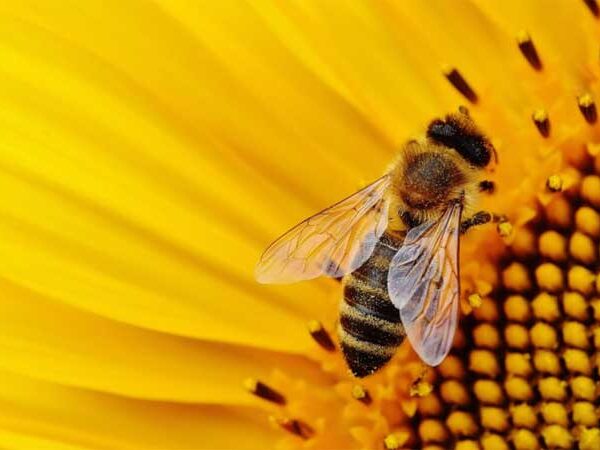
(495, 155)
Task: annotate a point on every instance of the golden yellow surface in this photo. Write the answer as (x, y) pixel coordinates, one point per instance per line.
(454, 392)
(575, 334)
(554, 413)
(581, 280)
(577, 361)
(488, 392)
(583, 388)
(494, 442)
(588, 221)
(575, 305)
(524, 243)
(585, 413)
(582, 248)
(557, 436)
(484, 362)
(516, 336)
(518, 388)
(516, 277)
(430, 405)
(431, 430)
(524, 415)
(518, 364)
(589, 439)
(452, 367)
(149, 151)
(546, 362)
(525, 440)
(543, 335)
(546, 307)
(590, 189)
(553, 245)
(487, 312)
(467, 445)
(552, 388)
(549, 277)
(462, 423)
(486, 335)
(517, 308)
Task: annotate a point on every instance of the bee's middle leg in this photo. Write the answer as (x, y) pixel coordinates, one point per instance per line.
(479, 218)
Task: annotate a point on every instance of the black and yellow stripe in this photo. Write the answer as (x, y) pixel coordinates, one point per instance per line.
(370, 330)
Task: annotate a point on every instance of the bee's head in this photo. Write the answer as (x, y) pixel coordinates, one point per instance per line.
(458, 132)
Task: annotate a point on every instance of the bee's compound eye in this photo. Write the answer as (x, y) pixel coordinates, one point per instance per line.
(459, 133)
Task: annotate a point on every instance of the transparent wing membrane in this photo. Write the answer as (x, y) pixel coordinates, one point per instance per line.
(334, 242)
(423, 283)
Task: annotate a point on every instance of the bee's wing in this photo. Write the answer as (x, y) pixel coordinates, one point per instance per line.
(333, 242)
(423, 283)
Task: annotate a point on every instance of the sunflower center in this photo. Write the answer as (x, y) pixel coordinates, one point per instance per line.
(523, 373)
(528, 377)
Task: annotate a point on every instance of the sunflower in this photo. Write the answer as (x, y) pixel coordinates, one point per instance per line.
(150, 150)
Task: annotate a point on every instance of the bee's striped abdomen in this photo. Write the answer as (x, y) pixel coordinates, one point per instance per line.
(370, 329)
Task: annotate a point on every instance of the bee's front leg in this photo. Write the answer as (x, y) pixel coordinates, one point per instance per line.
(478, 218)
(487, 186)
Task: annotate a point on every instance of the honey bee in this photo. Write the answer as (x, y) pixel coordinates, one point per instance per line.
(396, 245)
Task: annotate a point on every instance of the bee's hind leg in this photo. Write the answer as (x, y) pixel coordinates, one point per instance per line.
(479, 218)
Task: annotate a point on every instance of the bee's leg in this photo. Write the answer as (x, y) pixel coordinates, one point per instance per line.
(487, 186)
(330, 265)
(409, 220)
(478, 218)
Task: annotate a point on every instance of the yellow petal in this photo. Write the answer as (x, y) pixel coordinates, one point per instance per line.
(24, 441)
(568, 57)
(128, 230)
(320, 49)
(43, 339)
(125, 201)
(445, 35)
(41, 415)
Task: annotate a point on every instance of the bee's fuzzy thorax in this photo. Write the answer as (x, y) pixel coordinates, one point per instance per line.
(425, 178)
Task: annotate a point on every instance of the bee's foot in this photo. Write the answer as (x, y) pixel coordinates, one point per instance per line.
(487, 186)
(478, 218)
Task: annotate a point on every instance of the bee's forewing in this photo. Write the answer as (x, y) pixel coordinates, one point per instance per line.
(423, 283)
(333, 242)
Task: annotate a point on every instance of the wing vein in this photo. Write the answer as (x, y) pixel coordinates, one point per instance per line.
(333, 242)
(423, 283)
